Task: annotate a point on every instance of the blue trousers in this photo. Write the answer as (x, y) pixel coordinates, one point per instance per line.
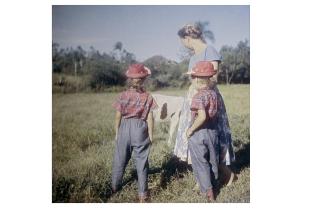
(203, 146)
(133, 137)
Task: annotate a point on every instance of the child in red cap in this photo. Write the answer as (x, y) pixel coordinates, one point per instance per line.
(202, 134)
(134, 129)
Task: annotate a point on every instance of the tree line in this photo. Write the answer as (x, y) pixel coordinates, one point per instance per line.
(76, 69)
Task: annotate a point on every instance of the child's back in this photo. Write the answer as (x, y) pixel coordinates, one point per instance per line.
(134, 103)
(205, 99)
(134, 129)
(203, 137)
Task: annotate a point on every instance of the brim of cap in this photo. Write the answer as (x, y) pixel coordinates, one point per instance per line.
(136, 76)
(202, 74)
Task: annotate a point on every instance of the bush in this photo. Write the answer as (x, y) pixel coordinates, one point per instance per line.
(63, 83)
(105, 75)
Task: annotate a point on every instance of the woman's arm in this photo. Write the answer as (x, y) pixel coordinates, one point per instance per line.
(117, 123)
(150, 121)
(214, 78)
(201, 118)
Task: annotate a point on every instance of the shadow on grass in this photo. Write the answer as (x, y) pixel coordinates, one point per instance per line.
(171, 168)
(176, 168)
(107, 191)
(68, 191)
(242, 159)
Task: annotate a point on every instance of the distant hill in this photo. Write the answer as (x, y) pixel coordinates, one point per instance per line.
(158, 60)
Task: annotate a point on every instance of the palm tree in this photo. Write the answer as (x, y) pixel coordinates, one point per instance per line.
(118, 46)
(117, 51)
(207, 33)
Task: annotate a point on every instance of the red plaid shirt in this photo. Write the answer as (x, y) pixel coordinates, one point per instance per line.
(135, 104)
(205, 99)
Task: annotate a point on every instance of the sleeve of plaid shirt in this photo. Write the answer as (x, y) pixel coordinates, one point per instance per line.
(117, 104)
(197, 102)
(152, 103)
(200, 101)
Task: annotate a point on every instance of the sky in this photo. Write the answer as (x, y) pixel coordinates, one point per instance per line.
(145, 30)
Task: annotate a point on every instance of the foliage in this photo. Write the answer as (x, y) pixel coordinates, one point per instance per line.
(207, 33)
(235, 64)
(104, 70)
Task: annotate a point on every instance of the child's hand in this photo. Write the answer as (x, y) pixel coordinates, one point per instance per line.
(116, 137)
(189, 133)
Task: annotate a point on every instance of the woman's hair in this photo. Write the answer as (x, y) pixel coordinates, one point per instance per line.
(135, 83)
(194, 31)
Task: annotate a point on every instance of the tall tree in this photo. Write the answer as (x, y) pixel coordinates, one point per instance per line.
(228, 63)
(118, 46)
(56, 58)
(122, 55)
(243, 60)
(206, 32)
(235, 64)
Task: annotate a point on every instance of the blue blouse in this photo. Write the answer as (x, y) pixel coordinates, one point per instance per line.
(209, 54)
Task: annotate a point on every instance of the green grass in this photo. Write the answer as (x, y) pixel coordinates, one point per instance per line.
(83, 132)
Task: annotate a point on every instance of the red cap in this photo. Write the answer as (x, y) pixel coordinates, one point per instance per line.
(203, 69)
(137, 70)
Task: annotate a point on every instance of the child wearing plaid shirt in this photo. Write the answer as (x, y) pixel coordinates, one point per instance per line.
(134, 129)
(202, 134)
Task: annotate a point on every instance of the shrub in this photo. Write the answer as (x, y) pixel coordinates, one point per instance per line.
(63, 83)
(105, 75)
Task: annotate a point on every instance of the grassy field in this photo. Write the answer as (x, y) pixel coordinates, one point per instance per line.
(82, 147)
